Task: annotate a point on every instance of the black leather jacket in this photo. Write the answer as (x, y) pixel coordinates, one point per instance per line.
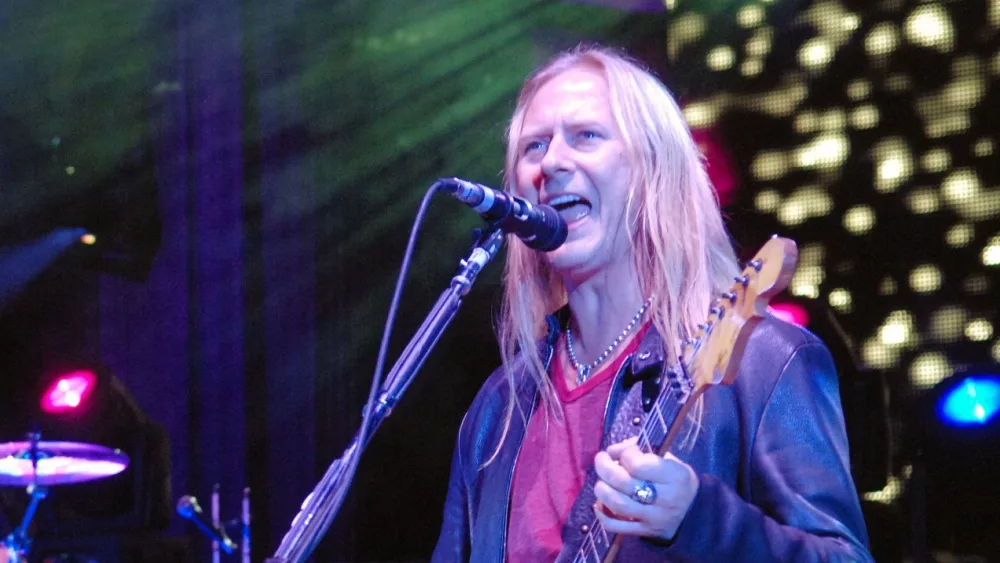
(771, 457)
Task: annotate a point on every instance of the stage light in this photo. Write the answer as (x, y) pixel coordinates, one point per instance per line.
(959, 446)
(791, 312)
(971, 401)
(68, 392)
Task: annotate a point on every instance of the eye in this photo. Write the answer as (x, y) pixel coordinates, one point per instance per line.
(532, 146)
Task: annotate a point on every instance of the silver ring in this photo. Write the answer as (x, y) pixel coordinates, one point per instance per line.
(644, 493)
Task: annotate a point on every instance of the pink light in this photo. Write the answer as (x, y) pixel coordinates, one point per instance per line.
(68, 392)
(790, 312)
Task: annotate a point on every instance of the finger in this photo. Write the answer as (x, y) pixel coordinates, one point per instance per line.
(613, 473)
(617, 526)
(668, 470)
(620, 505)
(615, 450)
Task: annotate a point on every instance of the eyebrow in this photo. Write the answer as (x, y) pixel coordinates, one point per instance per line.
(571, 124)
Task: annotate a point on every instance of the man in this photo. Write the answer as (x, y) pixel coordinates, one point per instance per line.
(761, 473)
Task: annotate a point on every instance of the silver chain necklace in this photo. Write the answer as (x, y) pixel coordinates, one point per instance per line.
(583, 372)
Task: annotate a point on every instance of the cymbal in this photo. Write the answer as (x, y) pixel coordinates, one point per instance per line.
(58, 463)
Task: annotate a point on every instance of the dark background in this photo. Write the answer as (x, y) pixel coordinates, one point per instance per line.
(252, 169)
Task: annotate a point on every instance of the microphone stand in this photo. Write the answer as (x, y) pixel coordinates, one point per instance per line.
(320, 508)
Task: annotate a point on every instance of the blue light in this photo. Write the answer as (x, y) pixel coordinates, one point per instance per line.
(972, 401)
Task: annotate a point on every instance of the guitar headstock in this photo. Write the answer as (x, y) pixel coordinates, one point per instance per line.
(713, 354)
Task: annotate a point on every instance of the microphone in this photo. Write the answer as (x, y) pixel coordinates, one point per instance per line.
(188, 508)
(539, 226)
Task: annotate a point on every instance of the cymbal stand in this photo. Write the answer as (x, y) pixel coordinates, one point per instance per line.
(18, 543)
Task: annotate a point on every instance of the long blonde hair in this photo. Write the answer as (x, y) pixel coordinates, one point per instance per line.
(682, 252)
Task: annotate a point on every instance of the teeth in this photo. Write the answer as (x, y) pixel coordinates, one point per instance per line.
(583, 213)
(565, 198)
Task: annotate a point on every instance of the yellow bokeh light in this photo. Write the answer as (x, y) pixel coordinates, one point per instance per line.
(925, 278)
(929, 26)
(806, 122)
(882, 40)
(805, 202)
(792, 212)
(720, 58)
(947, 323)
(960, 235)
(865, 117)
(850, 22)
(840, 299)
(833, 120)
(983, 147)
(879, 356)
(979, 330)
(946, 124)
(887, 286)
(969, 85)
(751, 67)
(767, 201)
(892, 490)
(827, 151)
(750, 16)
(976, 284)
(991, 252)
(898, 329)
(894, 164)
(961, 186)
(806, 281)
(812, 255)
(897, 83)
(769, 165)
(859, 89)
(700, 114)
(935, 160)
(859, 219)
(816, 53)
(760, 44)
(685, 30)
(995, 65)
(923, 201)
(995, 351)
(929, 369)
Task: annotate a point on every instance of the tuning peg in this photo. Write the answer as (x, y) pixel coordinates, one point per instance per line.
(716, 310)
(742, 280)
(730, 295)
(756, 264)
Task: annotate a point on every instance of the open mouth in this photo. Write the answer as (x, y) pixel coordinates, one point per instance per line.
(572, 207)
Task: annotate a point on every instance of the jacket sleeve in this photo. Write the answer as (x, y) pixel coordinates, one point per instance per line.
(803, 505)
(452, 544)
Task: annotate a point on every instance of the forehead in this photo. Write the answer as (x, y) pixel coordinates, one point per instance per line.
(579, 92)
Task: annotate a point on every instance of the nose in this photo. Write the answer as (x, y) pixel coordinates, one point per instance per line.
(557, 157)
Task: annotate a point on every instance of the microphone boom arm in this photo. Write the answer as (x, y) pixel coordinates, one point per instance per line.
(320, 508)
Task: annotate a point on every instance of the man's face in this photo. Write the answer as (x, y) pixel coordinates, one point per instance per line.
(571, 156)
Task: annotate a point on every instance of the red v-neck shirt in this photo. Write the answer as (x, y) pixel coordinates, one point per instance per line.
(554, 460)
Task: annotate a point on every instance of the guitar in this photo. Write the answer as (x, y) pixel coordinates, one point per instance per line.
(710, 358)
